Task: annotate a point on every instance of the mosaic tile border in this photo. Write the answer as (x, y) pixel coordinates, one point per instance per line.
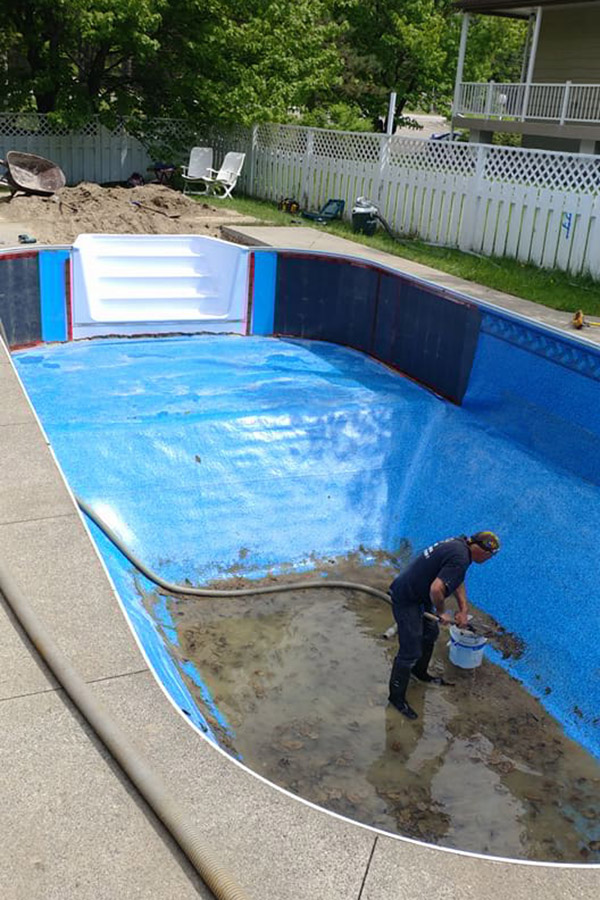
(562, 351)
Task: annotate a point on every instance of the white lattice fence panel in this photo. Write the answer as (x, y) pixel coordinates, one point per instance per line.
(234, 138)
(280, 159)
(93, 153)
(579, 173)
(315, 165)
(533, 205)
(425, 187)
(537, 207)
(344, 166)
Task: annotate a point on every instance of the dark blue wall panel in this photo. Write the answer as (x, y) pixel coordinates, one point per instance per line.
(422, 331)
(326, 299)
(20, 298)
(426, 334)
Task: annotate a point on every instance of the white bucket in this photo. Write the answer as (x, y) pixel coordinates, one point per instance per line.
(466, 648)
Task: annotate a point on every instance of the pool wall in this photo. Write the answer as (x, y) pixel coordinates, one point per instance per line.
(35, 301)
(532, 394)
(426, 333)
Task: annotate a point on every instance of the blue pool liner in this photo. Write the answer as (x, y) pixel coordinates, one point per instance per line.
(216, 454)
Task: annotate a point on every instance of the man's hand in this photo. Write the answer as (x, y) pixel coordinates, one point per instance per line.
(461, 617)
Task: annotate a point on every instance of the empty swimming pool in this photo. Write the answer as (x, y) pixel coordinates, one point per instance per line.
(223, 457)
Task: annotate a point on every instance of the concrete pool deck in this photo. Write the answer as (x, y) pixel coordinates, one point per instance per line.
(74, 827)
(302, 238)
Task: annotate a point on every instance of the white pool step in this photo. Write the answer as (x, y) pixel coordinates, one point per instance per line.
(188, 281)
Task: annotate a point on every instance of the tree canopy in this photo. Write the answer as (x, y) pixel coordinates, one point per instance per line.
(329, 62)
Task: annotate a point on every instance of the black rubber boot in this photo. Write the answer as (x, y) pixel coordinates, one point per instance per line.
(419, 670)
(398, 684)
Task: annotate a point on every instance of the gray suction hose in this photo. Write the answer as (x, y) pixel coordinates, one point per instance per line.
(238, 592)
(148, 782)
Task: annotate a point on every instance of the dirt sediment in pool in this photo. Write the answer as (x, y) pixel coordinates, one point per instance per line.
(301, 678)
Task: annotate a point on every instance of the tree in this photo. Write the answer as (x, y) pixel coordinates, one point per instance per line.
(391, 45)
(239, 60)
(248, 60)
(326, 62)
(411, 47)
(73, 57)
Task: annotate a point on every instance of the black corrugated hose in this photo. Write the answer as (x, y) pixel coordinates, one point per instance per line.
(212, 592)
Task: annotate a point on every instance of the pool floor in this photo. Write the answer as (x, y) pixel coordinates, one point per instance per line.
(219, 456)
(301, 678)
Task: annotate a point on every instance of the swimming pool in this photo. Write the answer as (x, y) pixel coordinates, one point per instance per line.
(219, 455)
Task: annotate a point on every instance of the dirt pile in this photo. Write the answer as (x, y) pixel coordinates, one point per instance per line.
(92, 209)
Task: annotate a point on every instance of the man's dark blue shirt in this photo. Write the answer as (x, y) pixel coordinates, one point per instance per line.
(448, 560)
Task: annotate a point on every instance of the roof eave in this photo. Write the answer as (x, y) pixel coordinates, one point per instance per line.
(514, 8)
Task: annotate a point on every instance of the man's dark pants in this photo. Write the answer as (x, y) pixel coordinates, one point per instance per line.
(416, 634)
(416, 640)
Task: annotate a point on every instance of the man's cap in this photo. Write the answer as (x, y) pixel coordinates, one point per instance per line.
(487, 540)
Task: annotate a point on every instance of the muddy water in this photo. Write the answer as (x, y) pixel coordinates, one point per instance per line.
(302, 679)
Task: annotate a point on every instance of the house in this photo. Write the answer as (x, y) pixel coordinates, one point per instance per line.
(556, 104)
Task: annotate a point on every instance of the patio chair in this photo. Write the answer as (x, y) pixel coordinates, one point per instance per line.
(333, 209)
(222, 182)
(198, 168)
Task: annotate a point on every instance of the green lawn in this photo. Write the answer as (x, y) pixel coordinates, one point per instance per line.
(551, 287)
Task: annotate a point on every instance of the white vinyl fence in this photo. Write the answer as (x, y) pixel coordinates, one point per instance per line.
(536, 206)
(99, 154)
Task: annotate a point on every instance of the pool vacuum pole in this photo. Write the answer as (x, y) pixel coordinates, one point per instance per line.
(475, 627)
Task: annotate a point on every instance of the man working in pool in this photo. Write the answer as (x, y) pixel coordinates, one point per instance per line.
(436, 573)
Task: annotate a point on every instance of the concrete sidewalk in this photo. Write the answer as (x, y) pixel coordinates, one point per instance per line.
(74, 828)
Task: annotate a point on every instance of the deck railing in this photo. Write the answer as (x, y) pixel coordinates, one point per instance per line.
(560, 103)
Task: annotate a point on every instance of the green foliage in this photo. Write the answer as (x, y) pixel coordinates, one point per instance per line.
(411, 47)
(241, 62)
(495, 49)
(396, 45)
(506, 139)
(329, 63)
(340, 116)
(200, 59)
(73, 57)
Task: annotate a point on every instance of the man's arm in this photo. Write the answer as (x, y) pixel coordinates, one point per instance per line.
(437, 595)
(461, 617)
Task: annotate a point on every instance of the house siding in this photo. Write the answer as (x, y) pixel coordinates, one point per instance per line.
(569, 46)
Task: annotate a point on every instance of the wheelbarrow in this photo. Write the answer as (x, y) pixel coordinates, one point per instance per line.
(31, 174)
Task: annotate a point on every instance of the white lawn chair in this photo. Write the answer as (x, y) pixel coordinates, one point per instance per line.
(222, 182)
(198, 169)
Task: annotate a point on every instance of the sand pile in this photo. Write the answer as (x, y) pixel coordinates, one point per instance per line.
(90, 208)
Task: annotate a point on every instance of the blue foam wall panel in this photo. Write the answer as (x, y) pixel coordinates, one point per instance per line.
(53, 291)
(263, 300)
